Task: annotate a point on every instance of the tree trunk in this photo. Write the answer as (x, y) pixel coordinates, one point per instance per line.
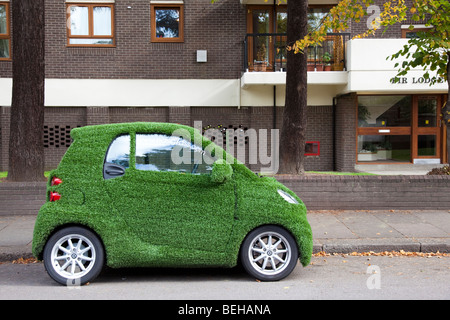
(446, 111)
(293, 131)
(26, 147)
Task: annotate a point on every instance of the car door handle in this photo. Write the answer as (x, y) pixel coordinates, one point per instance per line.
(115, 172)
(112, 170)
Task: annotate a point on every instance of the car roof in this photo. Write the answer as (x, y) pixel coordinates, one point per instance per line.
(104, 133)
(129, 127)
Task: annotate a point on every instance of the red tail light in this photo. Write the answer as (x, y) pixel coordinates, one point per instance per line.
(54, 196)
(56, 181)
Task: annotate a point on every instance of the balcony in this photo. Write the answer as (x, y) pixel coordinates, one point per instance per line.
(265, 60)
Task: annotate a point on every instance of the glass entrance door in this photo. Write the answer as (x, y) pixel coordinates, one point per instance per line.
(384, 129)
(426, 129)
(399, 128)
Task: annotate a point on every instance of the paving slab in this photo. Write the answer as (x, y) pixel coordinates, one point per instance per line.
(366, 225)
(325, 225)
(413, 224)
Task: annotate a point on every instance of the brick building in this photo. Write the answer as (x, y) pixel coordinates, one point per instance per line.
(223, 64)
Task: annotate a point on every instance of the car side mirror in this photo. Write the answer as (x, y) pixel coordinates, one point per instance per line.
(221, 171)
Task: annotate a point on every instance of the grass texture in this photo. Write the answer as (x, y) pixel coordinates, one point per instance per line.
(164, 219)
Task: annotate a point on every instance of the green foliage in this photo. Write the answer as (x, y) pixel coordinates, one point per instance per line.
(430, 49)
(148, 218)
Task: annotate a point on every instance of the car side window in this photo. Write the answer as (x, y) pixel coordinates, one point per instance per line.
(158, 152)
(119, 151)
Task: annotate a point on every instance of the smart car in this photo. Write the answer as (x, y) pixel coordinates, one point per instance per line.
(162, 195)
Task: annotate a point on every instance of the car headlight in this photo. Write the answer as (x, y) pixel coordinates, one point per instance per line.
(286, 196)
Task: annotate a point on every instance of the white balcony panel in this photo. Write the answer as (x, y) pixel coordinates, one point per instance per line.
(279, 78)
(5, 91)
(370, 72)
(141, 92)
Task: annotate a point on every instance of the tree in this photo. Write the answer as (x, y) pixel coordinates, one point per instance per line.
(26, 147)
(430, 50)
(293, 130)
(299, 38)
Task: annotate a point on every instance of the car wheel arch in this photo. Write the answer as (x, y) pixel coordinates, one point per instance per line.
(68, 225)
(265, 225)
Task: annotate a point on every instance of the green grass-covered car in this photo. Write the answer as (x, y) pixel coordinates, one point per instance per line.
(162, 195)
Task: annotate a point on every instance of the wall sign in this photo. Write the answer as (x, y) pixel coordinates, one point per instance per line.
(413, 80)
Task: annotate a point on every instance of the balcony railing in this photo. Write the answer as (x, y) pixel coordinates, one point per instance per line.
(266, 52)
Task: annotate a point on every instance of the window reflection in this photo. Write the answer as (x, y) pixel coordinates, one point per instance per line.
(315, 17)
(426, 145)
(380, 148)
(427, 112)
(4, 48)
(3, 20)
(79, 21)
(384, 111)
(102, 21)
(167, 23)
(157, 152)
(261, 24)
(119, 151)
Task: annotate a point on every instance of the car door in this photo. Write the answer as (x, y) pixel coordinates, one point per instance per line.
(166, 202)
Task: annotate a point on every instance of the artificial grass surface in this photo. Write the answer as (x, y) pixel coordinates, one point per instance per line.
(151, 218)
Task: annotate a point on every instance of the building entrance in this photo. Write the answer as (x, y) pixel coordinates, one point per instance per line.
(399, 128)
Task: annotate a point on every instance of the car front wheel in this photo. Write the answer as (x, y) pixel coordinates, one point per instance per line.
(73, 256)
(269, 253)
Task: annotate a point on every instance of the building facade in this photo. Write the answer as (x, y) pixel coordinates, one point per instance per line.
(223, 65)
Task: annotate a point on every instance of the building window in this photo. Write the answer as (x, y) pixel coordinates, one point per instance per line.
(384, 111)
(90, 25)
(398, 128)
(413, 33)
(5, 35)
(167, 22)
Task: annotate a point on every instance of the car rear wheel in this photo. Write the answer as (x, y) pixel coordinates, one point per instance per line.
(269, 253)
(73, 256)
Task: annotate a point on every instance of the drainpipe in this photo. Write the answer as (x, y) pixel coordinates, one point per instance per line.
(239, 93)
(274, 107)
(333, 111)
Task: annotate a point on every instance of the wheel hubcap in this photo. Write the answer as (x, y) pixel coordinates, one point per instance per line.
(73, 256)
(269, 253)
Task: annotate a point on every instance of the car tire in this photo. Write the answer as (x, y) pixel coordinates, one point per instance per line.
(269, 253)
(73, 256)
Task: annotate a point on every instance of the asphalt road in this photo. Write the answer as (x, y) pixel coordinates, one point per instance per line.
(330, 277)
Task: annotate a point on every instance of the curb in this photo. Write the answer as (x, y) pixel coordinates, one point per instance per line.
(426, 245)
(8, 254)
(338, 246)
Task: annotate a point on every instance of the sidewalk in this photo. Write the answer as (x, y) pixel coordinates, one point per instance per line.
(333, 232)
